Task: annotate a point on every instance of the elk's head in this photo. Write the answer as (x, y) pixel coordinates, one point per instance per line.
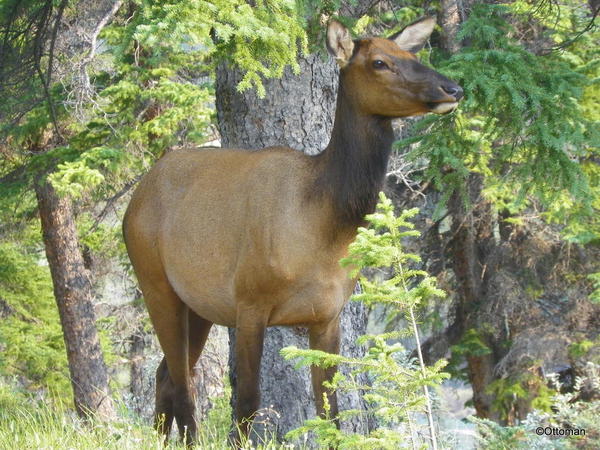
(383, 77)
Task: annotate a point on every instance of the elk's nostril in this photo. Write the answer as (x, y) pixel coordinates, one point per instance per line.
(453, 90)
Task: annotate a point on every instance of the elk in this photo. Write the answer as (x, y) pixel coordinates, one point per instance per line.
(252, 238)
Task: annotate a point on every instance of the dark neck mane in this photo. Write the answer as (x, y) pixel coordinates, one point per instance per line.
(351, 170)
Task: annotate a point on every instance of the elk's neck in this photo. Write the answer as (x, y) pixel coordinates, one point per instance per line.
(351, 170)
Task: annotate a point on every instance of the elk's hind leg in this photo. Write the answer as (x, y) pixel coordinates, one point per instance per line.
(197, 335)
(174, 390)
(198, 330)
(163, 409)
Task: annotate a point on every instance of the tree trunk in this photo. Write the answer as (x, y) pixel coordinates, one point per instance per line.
(450, 21)
(298, 112)
(472, 249)
(73, 293)
(138, 386)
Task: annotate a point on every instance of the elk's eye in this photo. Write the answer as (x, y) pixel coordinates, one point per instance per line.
(379, 64)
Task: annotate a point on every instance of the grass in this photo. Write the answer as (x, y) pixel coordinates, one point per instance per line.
(26, 423)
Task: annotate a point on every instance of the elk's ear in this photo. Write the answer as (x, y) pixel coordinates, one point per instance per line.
(414, 36)
(339, 42)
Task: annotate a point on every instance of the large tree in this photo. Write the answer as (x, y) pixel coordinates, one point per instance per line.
(74, 298)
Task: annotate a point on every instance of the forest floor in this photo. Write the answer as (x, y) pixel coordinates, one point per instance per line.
(28, 424)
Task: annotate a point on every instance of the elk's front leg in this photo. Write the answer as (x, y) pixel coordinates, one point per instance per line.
(250, 332)
(325, 337)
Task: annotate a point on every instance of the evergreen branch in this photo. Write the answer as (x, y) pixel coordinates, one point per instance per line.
(591, 24)
(94, 45)
(47, 79)
(111, 201)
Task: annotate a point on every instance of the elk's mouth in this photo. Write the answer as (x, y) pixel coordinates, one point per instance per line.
(443, 107)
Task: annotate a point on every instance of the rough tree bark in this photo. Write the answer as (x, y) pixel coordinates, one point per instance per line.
(73, 293)
(141, 385)
(297, 111)
(449, 21)
(473, 251)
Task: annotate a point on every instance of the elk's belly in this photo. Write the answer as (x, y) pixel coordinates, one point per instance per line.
(215, 293)
(207, 289)
(320, 301)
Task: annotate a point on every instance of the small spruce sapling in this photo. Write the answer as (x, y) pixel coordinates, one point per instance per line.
(399, 388)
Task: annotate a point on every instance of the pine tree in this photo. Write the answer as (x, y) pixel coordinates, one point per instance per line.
(398, 391)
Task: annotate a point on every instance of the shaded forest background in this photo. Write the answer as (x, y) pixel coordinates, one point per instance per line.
(508, 188)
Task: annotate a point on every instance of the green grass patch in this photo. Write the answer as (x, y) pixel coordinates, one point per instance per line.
(28, 423)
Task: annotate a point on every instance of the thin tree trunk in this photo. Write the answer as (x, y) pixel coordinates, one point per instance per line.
(138, 386)
(472, 262)
(450, 22)
(298, 112)
(73, 293)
